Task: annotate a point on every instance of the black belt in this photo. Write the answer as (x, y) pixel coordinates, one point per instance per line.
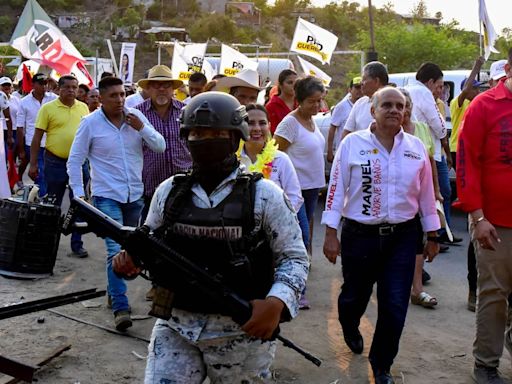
(384, 229)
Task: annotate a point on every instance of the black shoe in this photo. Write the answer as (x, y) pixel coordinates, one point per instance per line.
(425, 277)
(443, 248)
(354, 342)
(445, 240)
(80, 253)
(383, 377)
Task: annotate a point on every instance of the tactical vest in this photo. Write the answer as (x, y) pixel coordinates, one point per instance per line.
(221, 240)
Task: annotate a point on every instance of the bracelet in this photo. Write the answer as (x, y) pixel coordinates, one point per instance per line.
(480, 219)
(434, 239)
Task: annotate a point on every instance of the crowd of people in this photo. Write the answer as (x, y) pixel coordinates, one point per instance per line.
(217, 171)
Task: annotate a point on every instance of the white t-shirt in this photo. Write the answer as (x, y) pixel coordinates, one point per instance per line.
(283, 174)
(424, 109)
(27, 114)
(360, 116)
(306, 151)
(339, 117)
(133, 100)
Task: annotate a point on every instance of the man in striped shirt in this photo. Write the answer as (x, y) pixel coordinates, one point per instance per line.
(162, 111)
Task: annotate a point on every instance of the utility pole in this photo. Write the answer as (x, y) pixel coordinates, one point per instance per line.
(372, 54)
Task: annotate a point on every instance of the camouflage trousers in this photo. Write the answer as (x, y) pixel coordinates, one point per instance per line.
(172, 359)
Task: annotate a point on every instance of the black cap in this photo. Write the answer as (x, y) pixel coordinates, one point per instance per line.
(39, 78)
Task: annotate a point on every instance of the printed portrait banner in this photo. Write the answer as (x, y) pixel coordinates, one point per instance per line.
(310, 69)
(311, 40)
(487, 29)
(39, 39)
(127, 62)
(232, 61)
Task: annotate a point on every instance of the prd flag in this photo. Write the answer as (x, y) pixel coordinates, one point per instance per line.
(194, 54)
(311, 40)
(232, 61)
(310, 69)
(179, 66)
(488, 30)
(37, 38)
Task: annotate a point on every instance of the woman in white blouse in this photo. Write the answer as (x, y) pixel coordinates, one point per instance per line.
(260, 154)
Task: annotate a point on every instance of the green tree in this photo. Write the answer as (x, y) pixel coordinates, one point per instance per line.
(420, 10)
(404, 47)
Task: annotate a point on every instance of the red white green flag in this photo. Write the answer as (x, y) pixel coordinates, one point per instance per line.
(39, 39)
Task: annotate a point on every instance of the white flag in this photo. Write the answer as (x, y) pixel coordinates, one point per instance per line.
(488, 30)
(127, 62)
(208, 70)
(311, 40)
(193, 54)
(310, 69)
(232, 61)
(179, 66)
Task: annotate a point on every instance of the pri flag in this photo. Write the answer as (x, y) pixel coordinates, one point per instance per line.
(232, 61)
(311, 70)
(488, 30)
(311, 40)
(79, 71)
(37, 38)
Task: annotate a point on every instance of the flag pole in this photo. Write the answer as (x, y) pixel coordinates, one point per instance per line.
(480, 38)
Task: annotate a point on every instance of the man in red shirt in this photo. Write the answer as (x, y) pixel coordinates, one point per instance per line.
(484, 185)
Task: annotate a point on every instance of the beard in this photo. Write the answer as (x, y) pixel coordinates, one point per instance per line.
(162, 100)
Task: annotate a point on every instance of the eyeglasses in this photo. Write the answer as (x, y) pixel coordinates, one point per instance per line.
(160, 84)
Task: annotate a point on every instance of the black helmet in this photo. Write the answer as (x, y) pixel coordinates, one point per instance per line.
(214, 110)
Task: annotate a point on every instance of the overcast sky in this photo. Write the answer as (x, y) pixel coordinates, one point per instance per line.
(464, 11)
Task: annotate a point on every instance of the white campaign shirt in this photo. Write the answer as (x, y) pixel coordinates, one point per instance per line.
(4, 104)
(27, 113)
(339, 117)
(283, 174)
(133, 100)
(115, 155)
(424, 109)
(306, 151)
(371, 186)
(360, 116)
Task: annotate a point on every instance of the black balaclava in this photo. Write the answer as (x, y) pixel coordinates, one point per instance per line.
(213, 160)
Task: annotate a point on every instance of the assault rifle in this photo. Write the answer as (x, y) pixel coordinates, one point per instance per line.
(153, 255)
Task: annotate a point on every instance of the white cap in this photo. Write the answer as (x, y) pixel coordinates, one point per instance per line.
(5, 80)
(498, 69)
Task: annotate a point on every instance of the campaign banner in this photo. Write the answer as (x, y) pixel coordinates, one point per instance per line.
(179, 67)
(311, 40)
(311, 70)
(127, 62)
(39, 39)
(232, 61)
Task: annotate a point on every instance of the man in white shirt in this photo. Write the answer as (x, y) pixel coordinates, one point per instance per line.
(26, 120)
(112, 138)
(138, 97)
(429, 81)
(340, 115)
(375, 76)
(380, 181)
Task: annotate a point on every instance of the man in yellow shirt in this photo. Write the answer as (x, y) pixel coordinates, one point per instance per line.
(470, 89)
(59, 120)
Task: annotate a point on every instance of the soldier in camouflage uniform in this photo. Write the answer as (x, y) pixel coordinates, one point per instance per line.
(215, 214)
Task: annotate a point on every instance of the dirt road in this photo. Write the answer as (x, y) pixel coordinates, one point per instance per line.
(436, 345)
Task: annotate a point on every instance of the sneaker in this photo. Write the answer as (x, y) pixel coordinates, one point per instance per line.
(122, 320)
(472, 301)
(304, 303)
(79, 253)
(486, 375)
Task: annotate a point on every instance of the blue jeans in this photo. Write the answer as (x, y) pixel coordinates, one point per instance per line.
(444, 186)
(304, 224)
(388, 261)
(310, 201)
(40, 181)
(56, 176)
(126, 214)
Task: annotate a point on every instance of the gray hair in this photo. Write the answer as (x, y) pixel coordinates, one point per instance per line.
(376, 95)
(377, 70)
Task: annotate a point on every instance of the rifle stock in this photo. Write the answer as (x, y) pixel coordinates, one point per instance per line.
(154, 255)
